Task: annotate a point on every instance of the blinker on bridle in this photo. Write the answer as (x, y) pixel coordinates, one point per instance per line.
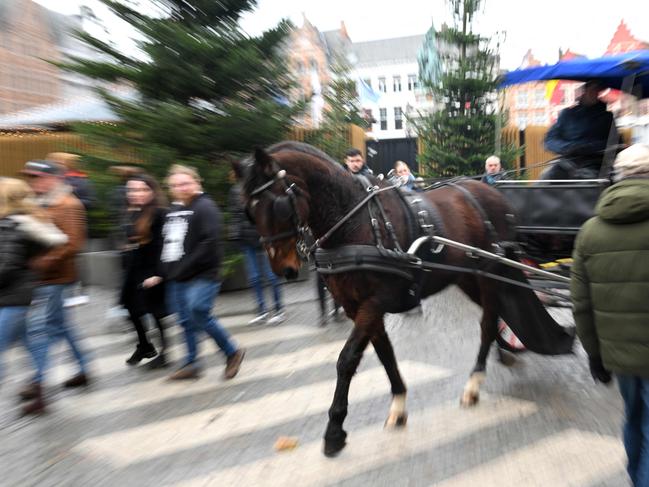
(285, 207)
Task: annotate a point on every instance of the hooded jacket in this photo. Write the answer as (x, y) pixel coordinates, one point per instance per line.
(192, 246)
(21, 238)
(610, 279)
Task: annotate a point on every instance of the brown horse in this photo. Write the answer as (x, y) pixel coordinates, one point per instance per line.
(293, 185)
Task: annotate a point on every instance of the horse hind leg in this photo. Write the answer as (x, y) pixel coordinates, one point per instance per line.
(397, 416)
(489, 329)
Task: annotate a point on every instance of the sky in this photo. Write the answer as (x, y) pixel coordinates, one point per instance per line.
(545, 26)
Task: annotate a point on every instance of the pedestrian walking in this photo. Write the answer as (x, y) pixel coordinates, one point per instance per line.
(24, 233)
(74, 177)
(191, 257)
(57, 271)
(610, 279)
(141, 257)
(245, 235)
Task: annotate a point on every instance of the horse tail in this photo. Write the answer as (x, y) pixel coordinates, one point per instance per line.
(528, 318)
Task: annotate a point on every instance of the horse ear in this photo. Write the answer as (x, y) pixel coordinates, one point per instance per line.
(264, 160)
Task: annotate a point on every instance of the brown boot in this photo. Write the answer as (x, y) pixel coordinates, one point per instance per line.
(233, 363)
(79, 380)
(189, 371)
(37, 405)
(30, 391)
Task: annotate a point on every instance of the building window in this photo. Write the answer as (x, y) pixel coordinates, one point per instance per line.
(396, 84)
(539, 119)
(521, 99)
(398, 118)
(522, 120)
(539, 97)
(368, 82)
(413, 84)
(383, 116)
(382, 85)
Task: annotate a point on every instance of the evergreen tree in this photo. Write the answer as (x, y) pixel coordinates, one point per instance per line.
(341, 108)
(203, 88)
(459, 67)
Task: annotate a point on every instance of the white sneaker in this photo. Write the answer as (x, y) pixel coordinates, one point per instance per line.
(76, 301)
(276, 319)
(259, 319)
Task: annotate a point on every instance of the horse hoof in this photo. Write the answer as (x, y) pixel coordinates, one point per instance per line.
(332, 448)
(333, 444)
(469, 399)
(396, 420)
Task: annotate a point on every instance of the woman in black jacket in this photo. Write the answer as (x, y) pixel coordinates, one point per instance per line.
(146, 215)
(23, 235)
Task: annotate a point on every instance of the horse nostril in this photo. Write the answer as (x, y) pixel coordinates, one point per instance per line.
(290, 273)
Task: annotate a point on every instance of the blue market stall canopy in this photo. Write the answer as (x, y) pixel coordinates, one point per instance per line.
(611, 71)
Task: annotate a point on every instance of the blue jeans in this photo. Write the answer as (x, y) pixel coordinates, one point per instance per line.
(12, 327)
(635, 392)
(47, 324)
(192, 301)
(258, 269)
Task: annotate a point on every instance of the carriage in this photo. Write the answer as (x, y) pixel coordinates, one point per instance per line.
(550, 213)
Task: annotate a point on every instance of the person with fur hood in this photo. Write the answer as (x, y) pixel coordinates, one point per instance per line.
(24, 234)
(610, 295)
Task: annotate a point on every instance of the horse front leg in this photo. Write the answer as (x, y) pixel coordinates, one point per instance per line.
(348, 360)
(397, 415)
(489, 329)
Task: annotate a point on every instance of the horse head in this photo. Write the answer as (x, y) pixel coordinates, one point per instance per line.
(277, 203)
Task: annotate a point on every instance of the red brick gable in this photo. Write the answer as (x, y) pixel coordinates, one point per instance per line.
(623, 41)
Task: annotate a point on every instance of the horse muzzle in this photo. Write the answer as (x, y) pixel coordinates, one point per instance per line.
(290, 273)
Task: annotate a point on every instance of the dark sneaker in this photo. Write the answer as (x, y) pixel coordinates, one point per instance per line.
(79, 380)
(35, 407)
(30, 391)
(160, 362)
(141, 353)
(233, 363)
(187, 372)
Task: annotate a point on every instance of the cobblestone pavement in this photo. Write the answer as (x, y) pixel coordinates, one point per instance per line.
(540, 423)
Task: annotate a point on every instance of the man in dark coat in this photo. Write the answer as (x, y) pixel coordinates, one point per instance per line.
(610, 294)
(580, 136)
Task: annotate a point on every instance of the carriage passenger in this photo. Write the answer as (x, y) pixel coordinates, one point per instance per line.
(402, 171)
(580, 136)
(493, 170)
(356, 164)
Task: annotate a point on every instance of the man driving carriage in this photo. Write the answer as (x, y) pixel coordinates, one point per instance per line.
(580, 136)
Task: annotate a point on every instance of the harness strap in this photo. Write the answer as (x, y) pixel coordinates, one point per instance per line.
(489, 226)
(344, 219)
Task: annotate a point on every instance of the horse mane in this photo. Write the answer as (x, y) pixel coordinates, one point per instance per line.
(290, 145)
(254, 179)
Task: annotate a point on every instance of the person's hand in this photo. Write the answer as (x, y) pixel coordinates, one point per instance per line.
(151, 281)
(597, 370)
